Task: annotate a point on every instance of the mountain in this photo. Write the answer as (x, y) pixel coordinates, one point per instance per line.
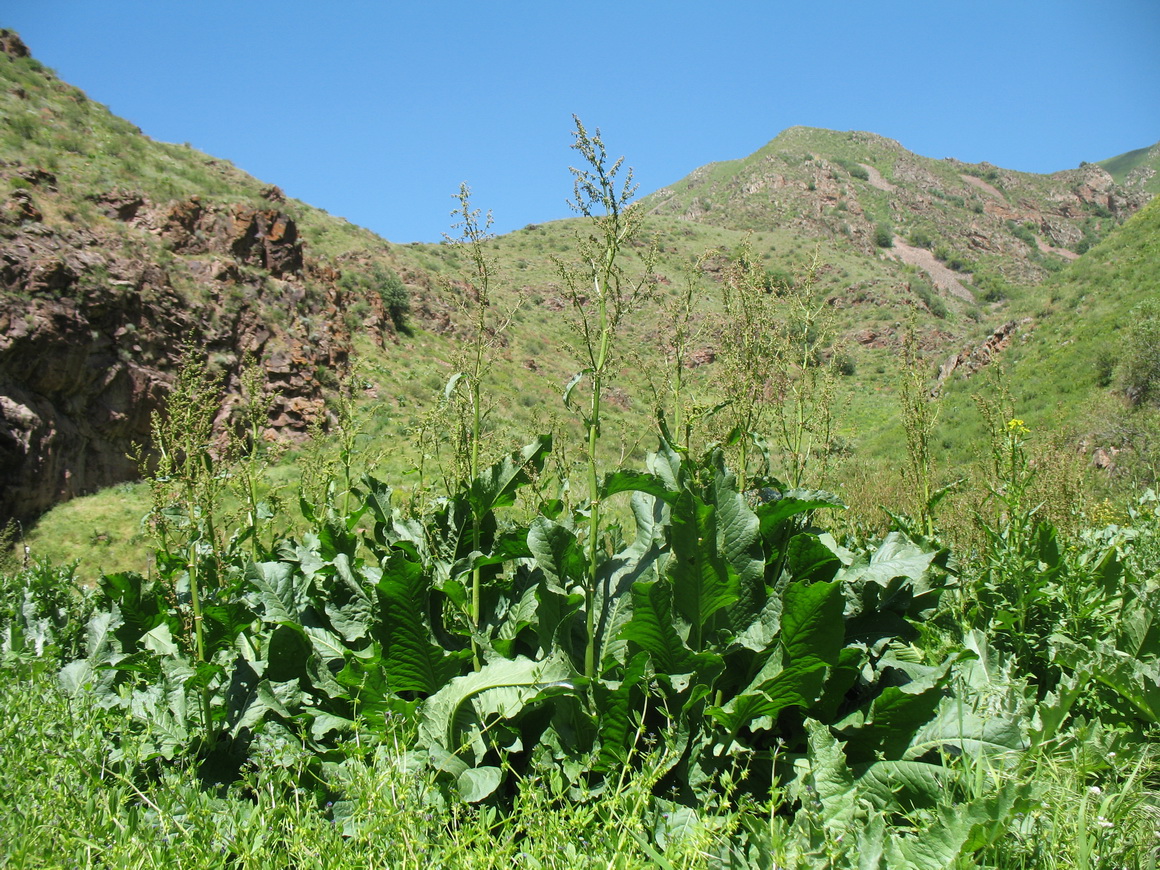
(862, 191)
(117, 250)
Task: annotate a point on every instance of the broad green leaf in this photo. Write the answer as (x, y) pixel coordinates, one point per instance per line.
(269, 697)
(477, 783)
(280, 592)
(288, 653)
(807, 558)
(739, 541)
(501, 688)
(558, 554)
(616, 715)
(811, 621)
(896, 556)
(412, 660)
(324, 724)
(830, 777)
(1136, 681)
(653, 627)
(774, 513)
(907, 783)
(702, 582)
(958, 728)
(496, 486)
(886, 728)
(636, 481)
(779, 685)
(616, 576)
(160, 641)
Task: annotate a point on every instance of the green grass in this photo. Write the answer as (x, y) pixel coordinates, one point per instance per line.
(1141, 158)
(69, 798)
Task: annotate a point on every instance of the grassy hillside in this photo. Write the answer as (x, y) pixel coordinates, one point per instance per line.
(1139, 168)
(944, 250)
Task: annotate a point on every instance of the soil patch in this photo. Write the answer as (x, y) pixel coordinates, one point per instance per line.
(942, 277)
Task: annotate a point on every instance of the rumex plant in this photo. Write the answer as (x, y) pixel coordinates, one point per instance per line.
(602, 295)
(717, 643)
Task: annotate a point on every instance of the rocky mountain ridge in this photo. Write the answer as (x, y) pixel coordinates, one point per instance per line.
(948, 218)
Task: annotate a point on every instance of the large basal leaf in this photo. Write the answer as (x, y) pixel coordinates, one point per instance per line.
(617, 575)
(894, 717)
(906, 784)
(808, 558)
(636, 481)
(1136, 681)
(779, 685)
(347, 603)
(960, 831)
(477, 783)
(739, 541)
(702, 582)
(829, 778)
(775, 514)
(896, 556)
(811, 621)
(412, 660)
(282, 593)
(500, 689)
(616, 715)
(653, 628)
(558, 554)
(141, 604)
(268, 697)
(957, 728)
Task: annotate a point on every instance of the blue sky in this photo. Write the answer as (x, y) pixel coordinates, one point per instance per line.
(376, 111)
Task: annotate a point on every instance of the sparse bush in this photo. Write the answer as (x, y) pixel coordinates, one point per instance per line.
(930, 298)
(884, 236)
(920, 238)
(388, 285)
(1138, 371)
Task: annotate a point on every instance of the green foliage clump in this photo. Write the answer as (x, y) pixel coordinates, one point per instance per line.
(387, 285)
(1137, 373)
(884, 235)
(920, 238)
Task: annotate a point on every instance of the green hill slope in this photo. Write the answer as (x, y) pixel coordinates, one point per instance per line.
(1138, 169)
(950, 251)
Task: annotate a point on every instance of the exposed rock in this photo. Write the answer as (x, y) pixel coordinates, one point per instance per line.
(11, 45)
(701, 357)
(92, 323)
(969, 361)
(1105, 458)
(266, 239)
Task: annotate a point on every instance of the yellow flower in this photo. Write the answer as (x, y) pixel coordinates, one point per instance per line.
(1015, 427)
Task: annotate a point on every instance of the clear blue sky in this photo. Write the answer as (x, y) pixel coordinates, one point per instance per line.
(376, 111)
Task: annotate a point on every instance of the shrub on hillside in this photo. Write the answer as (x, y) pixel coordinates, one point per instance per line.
(1138, 372)
(921, 239)
(389, 286)
(884, 236)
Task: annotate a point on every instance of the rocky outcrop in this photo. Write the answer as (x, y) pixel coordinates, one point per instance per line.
(12, 45)
(969, 361)
(93, 319)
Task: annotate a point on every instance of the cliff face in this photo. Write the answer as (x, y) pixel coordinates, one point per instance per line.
(94, 311)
